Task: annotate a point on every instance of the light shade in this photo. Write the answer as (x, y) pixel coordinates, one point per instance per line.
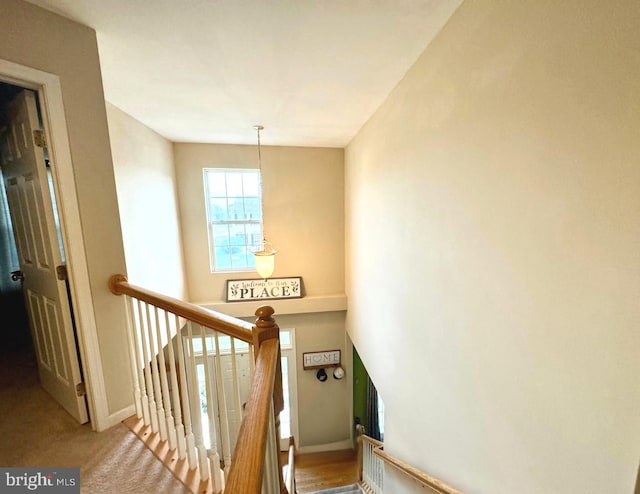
(265, 263)
(265, 259)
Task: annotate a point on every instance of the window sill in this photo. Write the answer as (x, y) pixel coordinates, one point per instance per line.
(305, 305)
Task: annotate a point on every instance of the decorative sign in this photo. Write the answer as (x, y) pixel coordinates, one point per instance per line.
(315, 360)
(270, 289)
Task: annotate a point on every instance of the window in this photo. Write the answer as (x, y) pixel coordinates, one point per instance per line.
(234, 217)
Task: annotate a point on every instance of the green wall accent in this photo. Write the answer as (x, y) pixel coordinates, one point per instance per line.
(360, 377)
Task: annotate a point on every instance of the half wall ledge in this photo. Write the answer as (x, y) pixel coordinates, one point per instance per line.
(322, 303)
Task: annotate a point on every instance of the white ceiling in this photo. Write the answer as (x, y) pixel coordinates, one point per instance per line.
(311, 71)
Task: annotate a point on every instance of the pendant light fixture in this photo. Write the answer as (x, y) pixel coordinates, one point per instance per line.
(265, 255)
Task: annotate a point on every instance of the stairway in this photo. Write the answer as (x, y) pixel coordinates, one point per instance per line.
(345, 489)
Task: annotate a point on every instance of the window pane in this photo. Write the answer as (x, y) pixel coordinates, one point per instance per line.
(236, 209)
(252, 208)
(239, 257)
(221, 234)
(216, 184)
(197, 345)
(223, 257)
(254, 235)
(237, 234)
(285, 338)
(218, 209)
(234, 184)
(251, 184)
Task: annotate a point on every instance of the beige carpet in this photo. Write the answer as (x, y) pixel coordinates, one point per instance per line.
(36, 432)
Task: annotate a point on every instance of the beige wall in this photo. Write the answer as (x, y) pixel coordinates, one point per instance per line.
(323, 407)
(146, 187)
(303, 209)
(498, 189)
(38, 39)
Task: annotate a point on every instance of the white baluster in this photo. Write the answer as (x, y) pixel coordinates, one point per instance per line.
(252, 361)
(177, 429)
(366, 469)
(270, 477)
(376, 473)
(236, 389)
(380, 475)
(222, 409)
(155, 369)
(370, 473)
(169, 425)
(184, 393)
(379, 472)
(133, 359)
(153, 410)
(214, 457)
(196, 415)
(137, 329)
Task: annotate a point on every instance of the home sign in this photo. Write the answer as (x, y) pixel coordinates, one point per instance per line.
(259, 289)
(315, 360)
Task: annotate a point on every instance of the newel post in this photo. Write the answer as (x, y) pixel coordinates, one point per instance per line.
(265, 329)
(114, 283)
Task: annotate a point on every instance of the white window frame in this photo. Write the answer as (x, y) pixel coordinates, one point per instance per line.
(248, 246)
(288, 352)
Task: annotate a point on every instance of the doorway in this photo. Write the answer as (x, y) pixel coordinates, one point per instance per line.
(15, 327)
(34, 242)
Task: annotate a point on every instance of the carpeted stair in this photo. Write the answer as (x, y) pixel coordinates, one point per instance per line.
(345, 489)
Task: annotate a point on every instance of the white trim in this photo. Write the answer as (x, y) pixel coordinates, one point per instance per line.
(52, 107)
(117, 417)
(321, 448)
(290, 353)
(305, 305)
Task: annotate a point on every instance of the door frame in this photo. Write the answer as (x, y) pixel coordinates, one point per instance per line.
(51, 105)
(289, 352)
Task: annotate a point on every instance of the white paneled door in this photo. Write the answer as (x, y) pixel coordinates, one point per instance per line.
(41, 258)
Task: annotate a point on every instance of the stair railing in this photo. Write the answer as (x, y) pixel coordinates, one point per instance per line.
(189, 362)
(371, 462)
(370, 467)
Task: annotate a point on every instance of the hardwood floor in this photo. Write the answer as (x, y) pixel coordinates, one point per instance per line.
(317, 471)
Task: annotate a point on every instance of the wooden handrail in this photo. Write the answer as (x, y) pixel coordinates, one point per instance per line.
(245, 475)
(290, 480)
(419, 476)
(375, 442)
(217, 321)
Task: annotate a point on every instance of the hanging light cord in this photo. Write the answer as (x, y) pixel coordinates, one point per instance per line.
(264, 236)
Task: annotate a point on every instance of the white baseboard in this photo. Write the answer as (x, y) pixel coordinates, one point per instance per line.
(115, 418)
(321, 448)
